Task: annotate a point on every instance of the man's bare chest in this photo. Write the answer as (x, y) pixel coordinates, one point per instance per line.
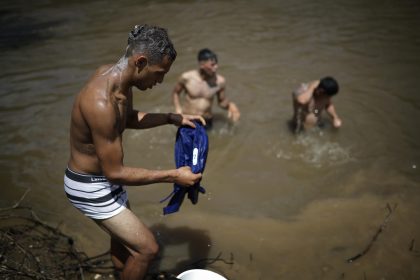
(316, 106)
(201, 89)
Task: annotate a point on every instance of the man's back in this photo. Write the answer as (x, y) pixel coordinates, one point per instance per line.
(93, 97)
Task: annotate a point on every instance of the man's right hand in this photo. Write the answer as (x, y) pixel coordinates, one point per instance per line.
(185, 177)
(233, 112)
(337, 122)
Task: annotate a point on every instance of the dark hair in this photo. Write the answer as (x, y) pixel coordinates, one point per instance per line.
(153, 41)
(329, 85)
(206, 54)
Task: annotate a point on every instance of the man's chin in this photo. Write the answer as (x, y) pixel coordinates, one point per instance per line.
(142, 88)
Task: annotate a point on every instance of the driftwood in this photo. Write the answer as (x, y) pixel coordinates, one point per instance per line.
(32, 249)
(375, 236)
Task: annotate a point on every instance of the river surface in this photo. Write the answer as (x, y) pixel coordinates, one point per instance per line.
(279, 206)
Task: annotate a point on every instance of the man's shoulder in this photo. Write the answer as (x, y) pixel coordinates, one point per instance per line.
(221, 80)
(93, 99)
(189, 74)
(303, 93)
(90, 99)
(101, 70)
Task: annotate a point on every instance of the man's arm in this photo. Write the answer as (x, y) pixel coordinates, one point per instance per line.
(299, 114)
(140, 120)
(176, 93)
(108, 146)
(301, 99)
(333, 114)
(233, 111)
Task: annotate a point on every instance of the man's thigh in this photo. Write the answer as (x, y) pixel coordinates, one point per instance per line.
(130, 231)
(311, 121)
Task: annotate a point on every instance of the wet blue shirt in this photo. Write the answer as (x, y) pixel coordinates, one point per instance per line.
(191, 148)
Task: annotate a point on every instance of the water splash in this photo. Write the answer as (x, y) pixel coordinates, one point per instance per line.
(221, 129)
(118, 67)
(321, 153)
(314, 149)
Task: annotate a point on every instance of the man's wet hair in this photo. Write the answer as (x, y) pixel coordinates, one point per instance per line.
(329, 85)
(153, 41)
(206, 54)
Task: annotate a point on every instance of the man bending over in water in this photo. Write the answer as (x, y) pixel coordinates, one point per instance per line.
(96, 176)
(201, 86)
(309, 101)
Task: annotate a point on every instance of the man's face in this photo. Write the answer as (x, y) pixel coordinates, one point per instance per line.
(319, 92)
(151, 75)
(209, 67)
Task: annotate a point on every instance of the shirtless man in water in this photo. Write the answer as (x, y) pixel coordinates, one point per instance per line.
(201, 86)
(309, 101)
(96, 176)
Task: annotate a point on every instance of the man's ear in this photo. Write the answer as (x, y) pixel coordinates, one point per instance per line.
(141, 62)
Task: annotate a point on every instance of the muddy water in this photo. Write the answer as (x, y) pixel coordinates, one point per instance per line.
(279, 206)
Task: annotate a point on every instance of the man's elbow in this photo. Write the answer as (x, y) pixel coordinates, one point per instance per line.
(114, 176)
(224, 104)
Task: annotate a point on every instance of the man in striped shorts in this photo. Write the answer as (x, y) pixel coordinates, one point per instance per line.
(96, 176)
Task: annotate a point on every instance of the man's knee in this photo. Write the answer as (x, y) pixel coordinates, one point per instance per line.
(152, 249)
(149, 250)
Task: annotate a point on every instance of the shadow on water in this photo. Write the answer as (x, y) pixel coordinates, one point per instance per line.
(197, 241)
(18, 30)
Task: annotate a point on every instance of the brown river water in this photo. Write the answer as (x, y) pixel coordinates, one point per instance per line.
(280, 206)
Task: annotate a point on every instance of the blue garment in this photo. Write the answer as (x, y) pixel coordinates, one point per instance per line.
(191, 148)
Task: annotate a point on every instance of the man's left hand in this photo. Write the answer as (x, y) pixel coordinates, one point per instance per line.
(181, 119)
